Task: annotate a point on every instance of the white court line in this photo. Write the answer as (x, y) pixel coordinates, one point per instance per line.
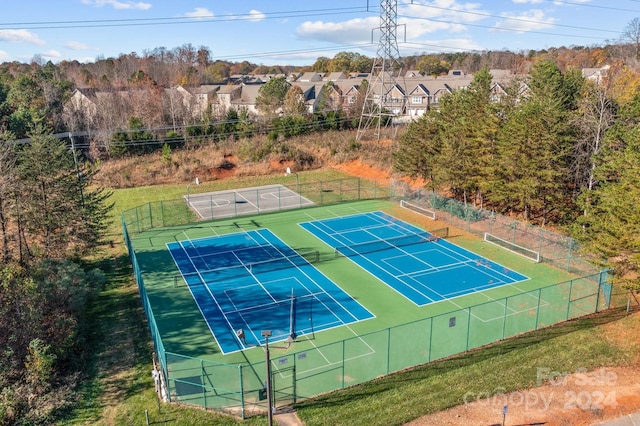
(204, 284)
(247, 200)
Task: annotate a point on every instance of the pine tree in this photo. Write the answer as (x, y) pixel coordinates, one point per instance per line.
(58, 211)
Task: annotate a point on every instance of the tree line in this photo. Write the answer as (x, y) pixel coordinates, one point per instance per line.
(563, 153)
(51, 218)
(37, 91)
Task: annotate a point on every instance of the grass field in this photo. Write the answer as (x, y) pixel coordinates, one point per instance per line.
(120, 389)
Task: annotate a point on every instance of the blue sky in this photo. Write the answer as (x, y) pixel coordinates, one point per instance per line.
(296, 33)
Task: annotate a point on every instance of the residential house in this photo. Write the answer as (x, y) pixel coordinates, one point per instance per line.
(247, 99)
(418, 100)
(595, 74)
(83, 100)
(309, 77)
(204, 97)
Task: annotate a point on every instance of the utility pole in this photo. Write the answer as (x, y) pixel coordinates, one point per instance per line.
(385, 97)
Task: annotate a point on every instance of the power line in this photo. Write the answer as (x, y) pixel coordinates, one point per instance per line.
(178, 20)
(509, 18)
(595, 6)
(508, 29)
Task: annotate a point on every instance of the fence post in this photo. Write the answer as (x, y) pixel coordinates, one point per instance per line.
(204, 389)
(295, 381)
(569, 300)
(430, 338)
(538, 308)
(241, 392)
(571, 241)
(468, 327)
(504, 318)
(343, 350)
(388, 349)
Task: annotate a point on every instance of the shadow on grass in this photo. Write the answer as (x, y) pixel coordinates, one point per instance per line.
(475, 357)
(115, 341)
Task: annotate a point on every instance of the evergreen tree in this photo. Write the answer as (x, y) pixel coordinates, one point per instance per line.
(58, 211)
(534, 148)
(453, 147)
(271, 95)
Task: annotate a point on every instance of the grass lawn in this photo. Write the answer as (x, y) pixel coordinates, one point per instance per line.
(119, 388)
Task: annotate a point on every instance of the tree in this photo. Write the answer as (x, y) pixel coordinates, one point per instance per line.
(610, 226)
(8, 182)
(40, 335)
(270, 99)
(631, 34)
(453, 147)
(294, 103)
(341, 62)
(432, 65)
(218, 71)
(59, 212)
(321, 65)
(468, 125)
(419, 149)
(597, 114)
(535, 146)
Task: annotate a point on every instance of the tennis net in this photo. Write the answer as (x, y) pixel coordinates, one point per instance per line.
(402, 241)
(512, 247)
(230, 272)
(431, 214)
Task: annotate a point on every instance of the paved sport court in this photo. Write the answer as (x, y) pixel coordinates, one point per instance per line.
(224, 204)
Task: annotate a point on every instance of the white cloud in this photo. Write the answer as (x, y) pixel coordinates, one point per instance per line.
(527, 21)
(556, 3)
(4, 56)
(417, 19)
(445, 45)
(118, 4)
(256, 15)
(199, 12)
(20, 36)
(76, 45)
(51, 55)
(445, 10)
(353, 31)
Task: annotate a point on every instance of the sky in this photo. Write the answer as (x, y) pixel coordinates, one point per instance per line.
(278, 32)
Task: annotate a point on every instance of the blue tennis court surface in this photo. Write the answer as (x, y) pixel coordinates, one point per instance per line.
(417, 264)
(252, 281)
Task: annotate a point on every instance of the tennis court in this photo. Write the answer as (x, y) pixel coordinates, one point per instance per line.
(422, 266)
(247, 282)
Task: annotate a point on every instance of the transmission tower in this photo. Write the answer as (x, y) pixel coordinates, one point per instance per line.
(385, 98)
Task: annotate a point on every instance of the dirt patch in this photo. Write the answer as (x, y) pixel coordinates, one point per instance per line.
(367, 171)
(577, 399)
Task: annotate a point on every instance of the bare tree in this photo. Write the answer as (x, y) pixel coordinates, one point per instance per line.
(598, 114)
(631, 34)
